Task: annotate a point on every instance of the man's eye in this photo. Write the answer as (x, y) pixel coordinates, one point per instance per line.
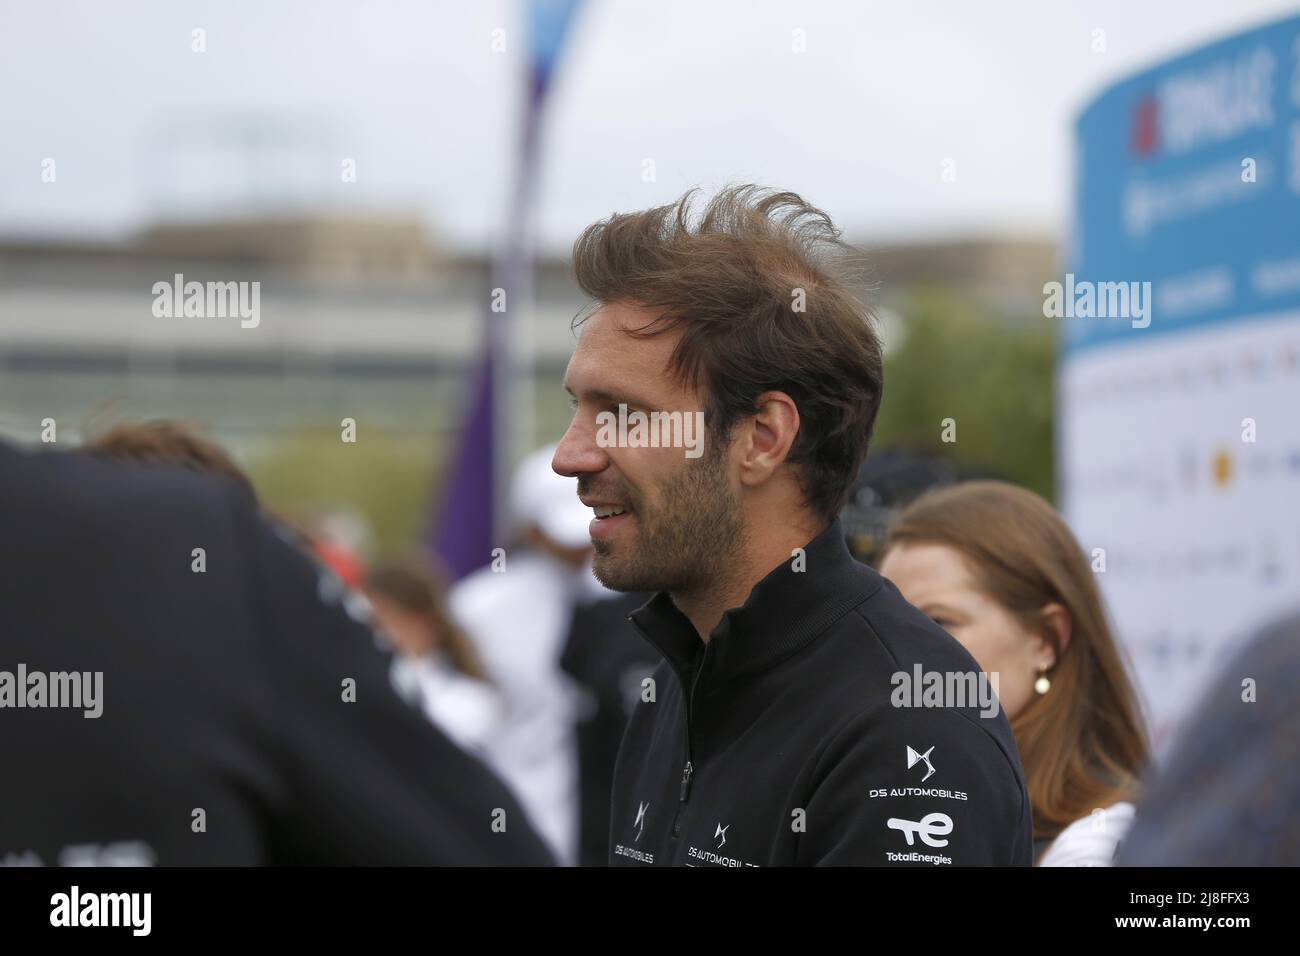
(943, 622)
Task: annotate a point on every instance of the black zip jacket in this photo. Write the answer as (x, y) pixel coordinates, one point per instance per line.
(784, 741)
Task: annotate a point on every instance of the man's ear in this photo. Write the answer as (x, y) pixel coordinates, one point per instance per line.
(771, 433)
(1058, 621)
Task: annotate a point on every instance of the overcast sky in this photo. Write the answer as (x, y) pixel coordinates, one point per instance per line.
(860, 122)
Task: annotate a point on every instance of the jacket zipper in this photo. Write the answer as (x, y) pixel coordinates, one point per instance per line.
(688, 771)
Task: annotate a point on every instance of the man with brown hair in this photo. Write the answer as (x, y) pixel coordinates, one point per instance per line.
(773, 733)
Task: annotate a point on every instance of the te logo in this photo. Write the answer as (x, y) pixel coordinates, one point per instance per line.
(929, 826)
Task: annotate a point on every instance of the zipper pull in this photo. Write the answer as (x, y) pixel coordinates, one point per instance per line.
(686, 780)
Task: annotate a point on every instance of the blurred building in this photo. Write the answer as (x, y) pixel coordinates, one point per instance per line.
(366, 317)
(358, 317)
(1005, 277)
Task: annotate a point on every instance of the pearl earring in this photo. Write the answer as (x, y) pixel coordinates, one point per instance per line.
(1042, 685)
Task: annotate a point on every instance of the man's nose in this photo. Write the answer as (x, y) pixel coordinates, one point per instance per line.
(578, 454)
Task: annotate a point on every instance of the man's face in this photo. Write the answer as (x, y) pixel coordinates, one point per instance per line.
(681, 518)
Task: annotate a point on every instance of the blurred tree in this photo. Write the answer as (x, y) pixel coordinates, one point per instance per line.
(386, 477)
(991, 375)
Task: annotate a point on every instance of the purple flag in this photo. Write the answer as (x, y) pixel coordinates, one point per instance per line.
(468, 524)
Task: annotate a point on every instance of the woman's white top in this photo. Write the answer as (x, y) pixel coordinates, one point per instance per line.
(469, 711)
(1090, 841)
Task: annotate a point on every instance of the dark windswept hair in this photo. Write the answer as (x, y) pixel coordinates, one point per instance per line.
(731, 279)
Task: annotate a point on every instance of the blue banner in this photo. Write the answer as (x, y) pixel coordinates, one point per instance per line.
(1188, 195)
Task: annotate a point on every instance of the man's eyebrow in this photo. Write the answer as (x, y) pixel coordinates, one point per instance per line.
(613, 398)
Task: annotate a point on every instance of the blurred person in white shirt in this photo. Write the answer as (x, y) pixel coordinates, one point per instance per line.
(518, 612)
(408, 598)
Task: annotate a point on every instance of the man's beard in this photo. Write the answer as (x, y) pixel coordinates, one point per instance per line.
(684, 546)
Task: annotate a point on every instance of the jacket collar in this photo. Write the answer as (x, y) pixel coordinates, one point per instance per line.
(785, 611)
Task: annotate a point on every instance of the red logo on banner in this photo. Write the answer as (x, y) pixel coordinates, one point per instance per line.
(1146, 126)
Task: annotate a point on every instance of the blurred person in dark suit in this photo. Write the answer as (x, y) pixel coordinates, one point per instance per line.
(888, 481)
(177, 442)
(518, 612)
(1229, 792)
(166, 441)
(241, 713)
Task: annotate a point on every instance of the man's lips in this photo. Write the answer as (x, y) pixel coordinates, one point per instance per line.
(604, 522)
(604, 527)
(604, 504)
